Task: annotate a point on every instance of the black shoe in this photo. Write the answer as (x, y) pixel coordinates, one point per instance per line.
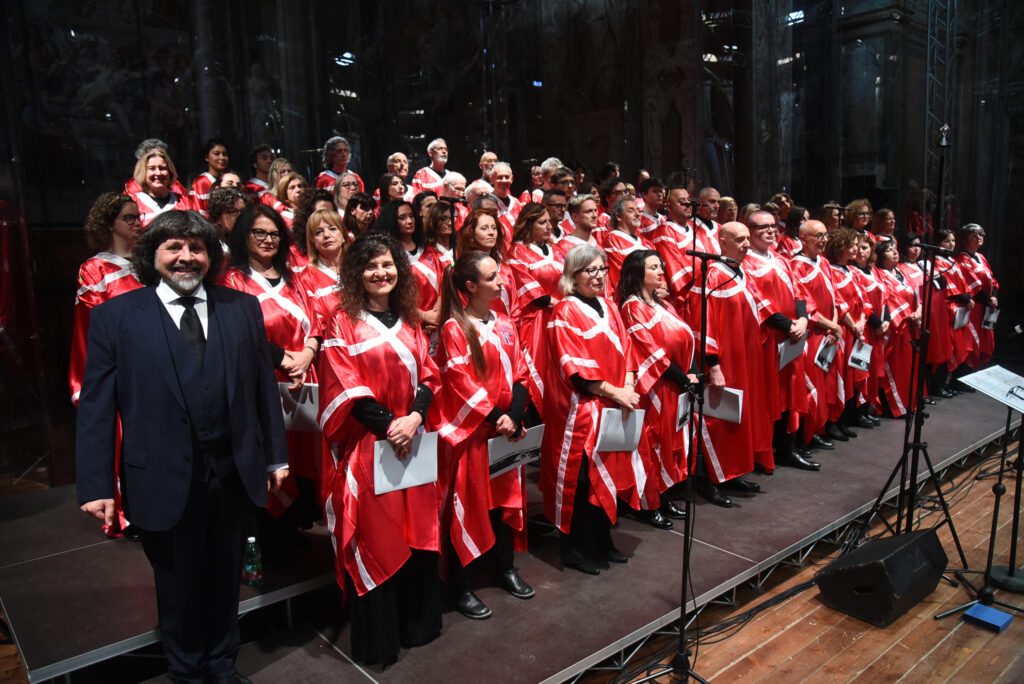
(834, 432)
(656, 519)
(845, 428)
(946, 393)
(511, 582)
(863, 422)
(712, 494)
(472, 607)
(232, 679)
(794, 460)
(738, 484)
(804, 451)
(929, 401)
(758, 468)
(821, 442)
(586, 567)
(613, 555)
(132, 533)
(670, 510)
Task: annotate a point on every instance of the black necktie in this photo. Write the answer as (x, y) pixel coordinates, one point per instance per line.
(192, 329)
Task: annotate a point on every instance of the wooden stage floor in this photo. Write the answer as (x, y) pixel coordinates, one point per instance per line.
(575, 621)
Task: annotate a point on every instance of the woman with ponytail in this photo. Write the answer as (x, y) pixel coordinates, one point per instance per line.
(484, 376)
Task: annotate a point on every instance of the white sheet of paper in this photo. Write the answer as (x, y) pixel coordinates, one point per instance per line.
(729, 406)
(617, 433)
(1004, 386)
(860, 357)
(825, 354)
(963, 314)
(991, 316)
(391, 473)
(300, 407)
(789, 350)
(682, 411)
(503, 455)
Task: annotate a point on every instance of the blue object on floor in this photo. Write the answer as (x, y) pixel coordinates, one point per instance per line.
(987, 617)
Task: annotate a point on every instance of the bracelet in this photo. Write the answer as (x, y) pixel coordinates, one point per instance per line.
(312, 349)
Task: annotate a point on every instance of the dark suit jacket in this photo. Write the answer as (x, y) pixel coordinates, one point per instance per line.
(132, 368)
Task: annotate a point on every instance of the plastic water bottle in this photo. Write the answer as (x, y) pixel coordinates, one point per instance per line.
(252, 568)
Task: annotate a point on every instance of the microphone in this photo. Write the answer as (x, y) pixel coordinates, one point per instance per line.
(318, 150)
(531, 162)
(1016, 330)
(708, 256)
(941, 251)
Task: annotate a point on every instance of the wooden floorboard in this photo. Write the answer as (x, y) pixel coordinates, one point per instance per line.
(802, 640)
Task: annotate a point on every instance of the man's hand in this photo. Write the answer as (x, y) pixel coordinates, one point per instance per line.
(101, 509)
(276, 478)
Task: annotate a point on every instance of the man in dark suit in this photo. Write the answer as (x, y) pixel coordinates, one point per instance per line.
(186, 367)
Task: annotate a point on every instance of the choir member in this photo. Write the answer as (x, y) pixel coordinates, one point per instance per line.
(784, 315)
(218, 159)
(337, 153)
(728, 210)
(398, 220)
(591, 370)
(537, 268)
(346, 186)
(663, 354)
(378, 382)
(986, 297)
(535, 193)
(359, 214)
(840, 252)
(259, 265)
(289, 191)
(583, 214)
(391, 188)
(671, 239)
(112, 227)
(875, 331)
(260, 159)
(732, 322)
(883, 225)
(228, 179)
(313, 199)
(857, 215)
(556, 205)
(482, 370)
(652, 190)
(224, 207)
(814, 277)
(910, 266)
(622, 238)
(279, 168)
(155, 175)
(431, 177)
(610, 191)
(788, 244)
(438, 241)
(904, 324)
(132, 187)
(707, 224)
(946, 348)
(480, 233)
(508, 206)
(325, 245)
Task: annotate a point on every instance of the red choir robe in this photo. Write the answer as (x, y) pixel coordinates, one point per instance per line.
(468, 492)
(671, 240)
(734, 320)
(328, 178)
(984, 340)
(428, 271)
(536, 275)
(660, 337)
(648, 223)
(508, 212)
(255, 187)
(427, 179)
(902, 302)
(814, 278)
(372, 534)
(100, 279)
(323, 292)
(914, 275)
(580, 341)
(787, 247)
(199, 193)
(786, 389)
(850, 300)
(947, 282)
(289, 321)
(535, 195)
(131, 187)
(875, 297)
(618, 245)
(149, 208)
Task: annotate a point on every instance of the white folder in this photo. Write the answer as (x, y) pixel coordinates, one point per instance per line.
(419, 467)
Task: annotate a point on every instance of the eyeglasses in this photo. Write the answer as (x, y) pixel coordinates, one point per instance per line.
(594, 271)
(818, 236)
(767, 226)
(262, 235)
(350, 184)
(863, 214)
(131, 218)
(567, 183)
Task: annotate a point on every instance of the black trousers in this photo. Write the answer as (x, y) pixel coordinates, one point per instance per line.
(504, 552)
(402, 612)
(590, 532)
(197, 567)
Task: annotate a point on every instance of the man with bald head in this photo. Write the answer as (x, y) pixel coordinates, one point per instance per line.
(508, 205)
(784, 312)
(814, 277)
(732, 323)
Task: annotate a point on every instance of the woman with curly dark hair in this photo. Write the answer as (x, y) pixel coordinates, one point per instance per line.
(377, 383)
(112, 227)
(224, 207)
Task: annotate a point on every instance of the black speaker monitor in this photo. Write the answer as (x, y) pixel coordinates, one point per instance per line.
(883, 579)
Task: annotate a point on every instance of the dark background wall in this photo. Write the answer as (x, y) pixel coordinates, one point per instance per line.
(827, 100)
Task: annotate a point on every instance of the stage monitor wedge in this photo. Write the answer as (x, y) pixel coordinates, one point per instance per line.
(883, 579)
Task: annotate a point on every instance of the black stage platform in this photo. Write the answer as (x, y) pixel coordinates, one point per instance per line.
(63, 589)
